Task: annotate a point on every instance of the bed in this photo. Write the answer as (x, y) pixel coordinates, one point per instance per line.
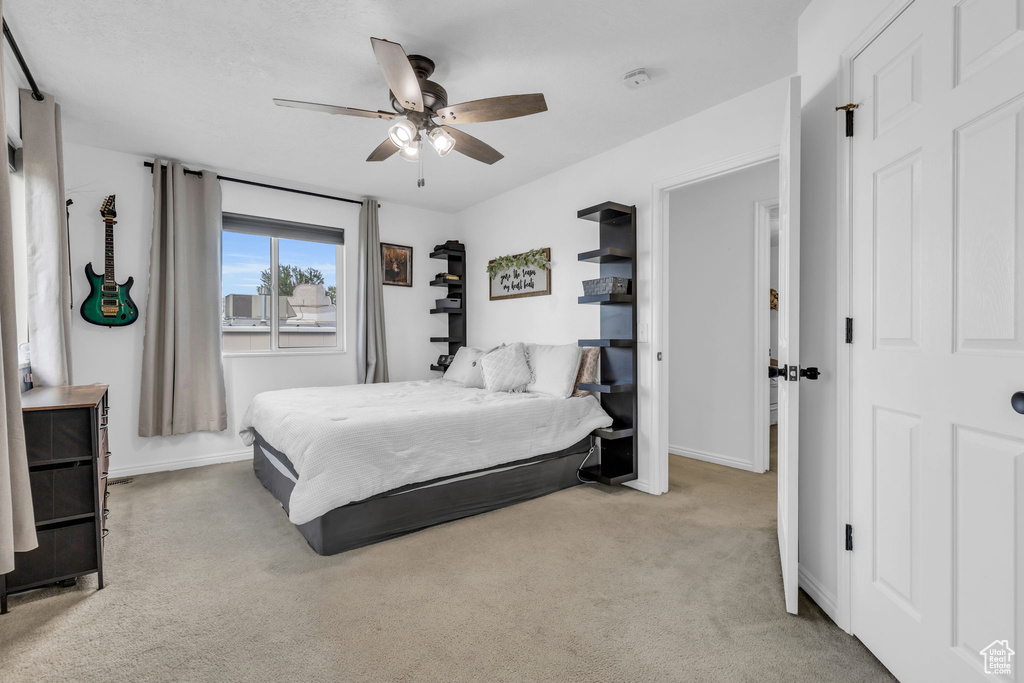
(355, 465)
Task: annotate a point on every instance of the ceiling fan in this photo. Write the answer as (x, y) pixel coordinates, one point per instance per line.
(419, 102)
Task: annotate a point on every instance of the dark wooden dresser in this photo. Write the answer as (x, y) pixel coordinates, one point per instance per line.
(68, 458)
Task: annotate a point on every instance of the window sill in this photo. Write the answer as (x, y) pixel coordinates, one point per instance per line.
(289, 353)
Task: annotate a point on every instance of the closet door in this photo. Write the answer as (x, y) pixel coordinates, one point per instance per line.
(937, 293)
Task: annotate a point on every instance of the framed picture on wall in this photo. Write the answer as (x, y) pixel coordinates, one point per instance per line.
(397, 261)
(518, 275)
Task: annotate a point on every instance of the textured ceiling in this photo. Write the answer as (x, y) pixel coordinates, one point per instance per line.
(193, 80)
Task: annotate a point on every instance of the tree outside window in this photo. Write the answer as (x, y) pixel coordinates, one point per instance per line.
(289, 276)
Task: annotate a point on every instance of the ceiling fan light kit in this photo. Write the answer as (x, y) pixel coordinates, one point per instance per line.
(441, 140)
(403, 132)
(411, 152)
(419, 101)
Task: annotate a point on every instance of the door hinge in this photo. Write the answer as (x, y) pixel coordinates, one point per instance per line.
(849, 537)
(849, 330)
(848, 108)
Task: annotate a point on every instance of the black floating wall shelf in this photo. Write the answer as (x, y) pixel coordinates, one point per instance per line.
(607, 255)
(607, 298)
(606, 342)
(456, 338)
(616, 389)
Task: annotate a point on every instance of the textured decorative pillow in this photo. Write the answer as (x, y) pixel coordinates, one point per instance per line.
(588, 369)
(465, 368)
(554, 368)
(506, 369)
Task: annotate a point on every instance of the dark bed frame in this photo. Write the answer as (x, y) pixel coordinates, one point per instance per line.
(418, 506)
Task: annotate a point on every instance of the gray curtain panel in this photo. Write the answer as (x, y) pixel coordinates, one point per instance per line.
(182, 370)
(17, 521)
(371, 342)
(49, 284)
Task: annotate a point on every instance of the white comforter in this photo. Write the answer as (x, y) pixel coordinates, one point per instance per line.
(352, 442)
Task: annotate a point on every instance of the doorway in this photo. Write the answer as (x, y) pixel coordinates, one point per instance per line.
(720, 322)
(787, 152)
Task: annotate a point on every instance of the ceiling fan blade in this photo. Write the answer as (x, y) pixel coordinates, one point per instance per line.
(473, 148)
(383, 151)
(332, 109)
(494, 109)
(398, 72)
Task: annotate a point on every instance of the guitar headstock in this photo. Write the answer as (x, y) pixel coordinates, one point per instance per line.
(107, 210)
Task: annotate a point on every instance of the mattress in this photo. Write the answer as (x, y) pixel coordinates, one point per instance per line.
(352, 443)
(396, 513)
(281, 463)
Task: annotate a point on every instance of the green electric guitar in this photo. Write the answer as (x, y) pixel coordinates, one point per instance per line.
(109, 303)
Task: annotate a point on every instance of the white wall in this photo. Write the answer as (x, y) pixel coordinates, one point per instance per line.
(543, 214)
(712, 310)
(114, 356)
(826, 28)
(407, 309)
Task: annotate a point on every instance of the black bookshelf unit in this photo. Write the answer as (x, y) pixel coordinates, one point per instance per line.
(617, 445)
(451, 289)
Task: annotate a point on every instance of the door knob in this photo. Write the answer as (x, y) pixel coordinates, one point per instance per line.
(793, 373)
(1017, 401)
(810, 373)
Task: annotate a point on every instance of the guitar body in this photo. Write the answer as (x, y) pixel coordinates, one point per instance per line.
(109, 308)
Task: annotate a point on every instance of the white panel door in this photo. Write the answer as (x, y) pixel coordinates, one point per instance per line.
(789, 342)
(937, 265)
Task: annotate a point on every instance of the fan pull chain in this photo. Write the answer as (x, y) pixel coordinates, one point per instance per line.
(420, 182)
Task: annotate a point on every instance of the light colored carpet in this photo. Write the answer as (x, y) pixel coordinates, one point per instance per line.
(209, 581)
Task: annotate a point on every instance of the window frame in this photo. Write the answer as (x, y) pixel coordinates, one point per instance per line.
(291, 231)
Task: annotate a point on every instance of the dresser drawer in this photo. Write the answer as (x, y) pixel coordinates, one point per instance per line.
(58, 434)
(62, 551)
(62, 491)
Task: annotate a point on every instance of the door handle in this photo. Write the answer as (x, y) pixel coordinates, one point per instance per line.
(1017, 401)
(809, 372)
(792, 373)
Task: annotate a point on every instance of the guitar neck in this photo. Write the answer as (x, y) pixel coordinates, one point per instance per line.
(108, 252)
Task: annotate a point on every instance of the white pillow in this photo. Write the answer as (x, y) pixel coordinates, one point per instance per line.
(465, 368)
(555, 368)
(506, 369)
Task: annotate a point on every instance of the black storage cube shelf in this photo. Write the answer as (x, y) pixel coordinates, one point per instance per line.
(617, 388)
(454, 304)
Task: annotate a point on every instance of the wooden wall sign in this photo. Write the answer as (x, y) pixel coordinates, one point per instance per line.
(515, 283)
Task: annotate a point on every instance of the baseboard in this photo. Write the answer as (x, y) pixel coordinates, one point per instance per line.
(169, 465)
(639, 485)
(826, 601)
(713, 457)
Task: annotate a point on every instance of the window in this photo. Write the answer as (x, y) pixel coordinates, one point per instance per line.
(280, 285)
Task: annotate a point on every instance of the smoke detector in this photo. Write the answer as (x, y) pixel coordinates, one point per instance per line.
(637, 78)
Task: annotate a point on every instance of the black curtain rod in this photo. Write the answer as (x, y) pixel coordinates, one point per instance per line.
(36, 95)
(149, 165)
